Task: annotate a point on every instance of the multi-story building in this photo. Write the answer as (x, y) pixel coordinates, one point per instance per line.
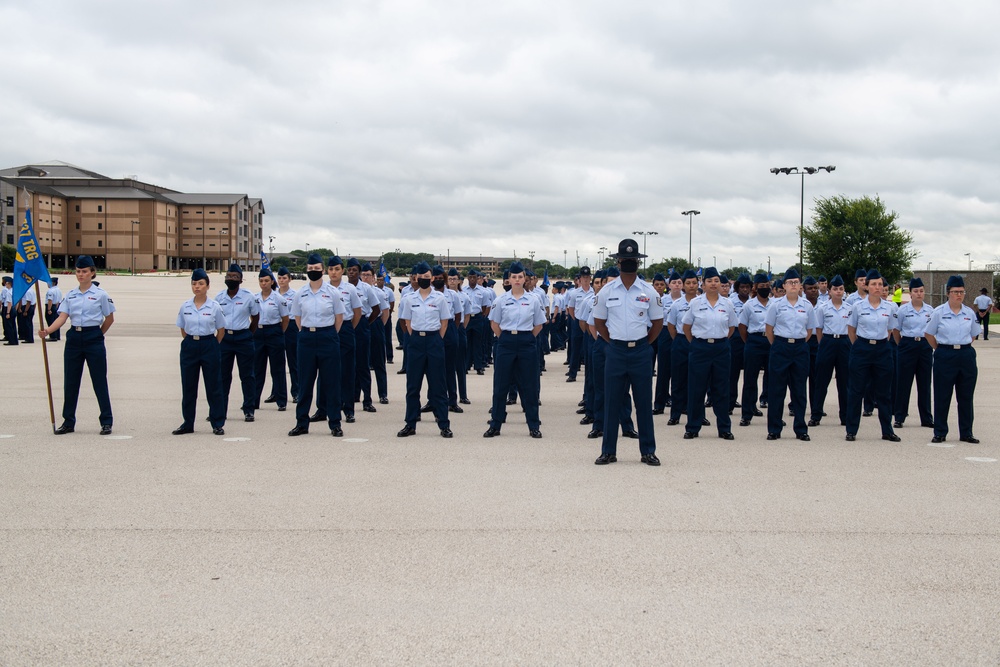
(126, 224)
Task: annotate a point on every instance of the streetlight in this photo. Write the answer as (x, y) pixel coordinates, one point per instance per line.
(270, 247)
(969, 255)
(802, 212)
(714, 261)
(531, 254)
(134, 223)
(690, 214)
(603, 251)
(929, 265)
(644, 235)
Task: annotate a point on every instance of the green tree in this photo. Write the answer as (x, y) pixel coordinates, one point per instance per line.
(678, 264)
(847, 234)
(7, 257)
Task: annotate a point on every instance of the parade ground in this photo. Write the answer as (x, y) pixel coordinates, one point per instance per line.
(258, 548)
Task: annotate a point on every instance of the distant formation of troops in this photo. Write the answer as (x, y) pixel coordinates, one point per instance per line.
(738, 348)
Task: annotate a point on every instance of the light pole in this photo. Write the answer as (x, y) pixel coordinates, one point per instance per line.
(644, 235)
(564, 259)
(929, 265)
(714, 261)
(969, 255)
(603, 251)
(531, 254)
(690, 214)
(802, 206)
(270, 248)
(134, 223)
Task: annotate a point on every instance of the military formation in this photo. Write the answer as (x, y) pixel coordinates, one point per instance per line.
(674, 347)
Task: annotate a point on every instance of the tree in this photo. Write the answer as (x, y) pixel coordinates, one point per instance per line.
(678, 264)
(847, 234)
(7, 258)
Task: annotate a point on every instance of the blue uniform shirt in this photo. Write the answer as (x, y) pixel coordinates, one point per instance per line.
(791, 321)
(457, 304)
(913, 322)
(54, 294)
(288, 298)
(629, 313)
(87, 309)
(873, 323)
(677, 311)
(238, 309)
(349, 295)
(29, 298)
(753, 315)
(517, 313)
(204, 321)
(425, 314)
(832, 321)
(708, 321)
(272, 309)
(319, 308)
(738, 305)
(951, 329)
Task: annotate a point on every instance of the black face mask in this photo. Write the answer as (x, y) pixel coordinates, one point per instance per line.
(315, 275)
(629, 265)
(439, 284)
(764, 292)
(234, 284)
(506, 288)
(424, 283)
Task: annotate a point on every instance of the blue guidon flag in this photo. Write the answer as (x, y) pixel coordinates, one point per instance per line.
(29, 266)
(264, 264)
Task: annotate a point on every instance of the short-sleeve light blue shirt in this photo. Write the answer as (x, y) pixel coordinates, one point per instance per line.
(873, 322)
(319, 308)
(951, 329)
(425, 314)
(87, 309)
(629, 312)
(708, 321)
(204, 321)
(238, 308)
(791, 321)
(272, 309)
(832, 321)
(753, 315)
(517, 313)
(913, 322)
(349, 295)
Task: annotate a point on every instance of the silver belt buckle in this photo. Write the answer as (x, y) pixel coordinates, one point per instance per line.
(196, 337)
(312, 329)
(872, 341)
(422, 333)
(710, 340)
(956, 347)
(229, 331)
(631, 343)
(918, 338)
(514, 332)
(791, 341)
(77, 328)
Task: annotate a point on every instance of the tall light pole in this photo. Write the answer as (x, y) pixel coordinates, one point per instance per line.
(969, 255)
(690, 214)
(644, 235)
(270, 247)
(803, 171)
(531, 254)
(134, 223)
(929, 265)
(603, 251)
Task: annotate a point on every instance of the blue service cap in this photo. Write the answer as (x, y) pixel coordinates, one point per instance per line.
(283, 271)
(314, 258)
(414, 271)
(821, 278)
(437, 270)
(779, 283)
(335, 261)
(55, 280)
(265, 272)
(711, 272)
(873, 275)
(790, 274)
(453, 271)
(516, 267)
(506, 274)
(760, 278)
(809, 281)
(422, 267)
(916, 282)
(640, 276)
(235, 268)
(689, 274)
(353, 261)
(199, 274)
(529, 273)
(860, 273)
(491, 283)
(613, 272)
(955, 281)
(584, 270)
(837, 281)
(367, 267)
(660, 277)
(7, 280)
(724, 278)
(601, 273)
(675, 276)
(85, 262)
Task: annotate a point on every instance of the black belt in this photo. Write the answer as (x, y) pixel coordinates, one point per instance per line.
(315, 329)
(954, 347)
(514, 332)
(270, 326)
(426, 333)
(758, 333)
(233, 332)
(872, 341)
(86, 328)
(712, 341)
(205, 337)
(629, 343)
(835, 336)
(791, 341)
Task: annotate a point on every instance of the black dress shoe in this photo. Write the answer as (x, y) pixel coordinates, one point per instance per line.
(349, 419)
(317, 417)
(455, 408)
(535, 434)
(480, 372)
(106, 429)
(708, 404)
(511, 402)
(866, 414)
(813, 422)
(631, 434)
(650, 459)
(744, 422)
(587, 420)
(581, 411)
(928, 425)
(757, 413)
(491, 432)
(897, 424)
(400, 372)
(737, 405)
(891, 437)
(282, 408)
(218, 431)
(673, 422)
(64, 429)
(295, 399)
(850, 437)
(298, 430)
(368, 407)
(181, 430)
(384, 400)
(971, 440)
(705, 422)
(570, 379)
(727, 436)
(937, 439)
(605, 459)
(270, 399)
(804, 437)
(594, 433)
(337, 432)
(581, 404)
(763, 405)
(446, 433)
(773, 436)
(248, 416)
(427, 408)
(690, 435)
(405, 431)
(657, 411)
(463, 401)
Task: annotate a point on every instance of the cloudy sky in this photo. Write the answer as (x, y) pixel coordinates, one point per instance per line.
(526, 126)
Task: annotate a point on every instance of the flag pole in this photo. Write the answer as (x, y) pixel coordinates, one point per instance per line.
(45, 354)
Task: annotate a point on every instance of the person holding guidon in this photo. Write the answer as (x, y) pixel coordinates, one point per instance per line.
(708, 324)
(950, 333)
(789, 323)
(202, 324)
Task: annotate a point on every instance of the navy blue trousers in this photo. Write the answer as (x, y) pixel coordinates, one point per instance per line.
(954, 370)
(663, 347)
(834, 354)
(788, 368)
(815, 407)
(577, 351)
(914, 361)
(201, 356)
(679, 376)
(451, 362)
(291, 355)
(49, 319)
(85, 346)
(362, 374)
(269, 350)
(26, 325)
(461, 371)
(377, 358)
(387, 340)
(587, 347)
(348, 362)
(238, 347)
(600, 357)
(319, 356)
(737, 359)
(756, 356)
(870, 364)
(628, 366)
(516, 364)
(425, 357)
(708, 370)
(476, 353)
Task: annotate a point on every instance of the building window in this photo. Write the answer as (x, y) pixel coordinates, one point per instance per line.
(100, 225)
(77, 208)
(211, 245)
(100, 243)
(77, 244)
(211, 212)
(211, 229)
(100, 209)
